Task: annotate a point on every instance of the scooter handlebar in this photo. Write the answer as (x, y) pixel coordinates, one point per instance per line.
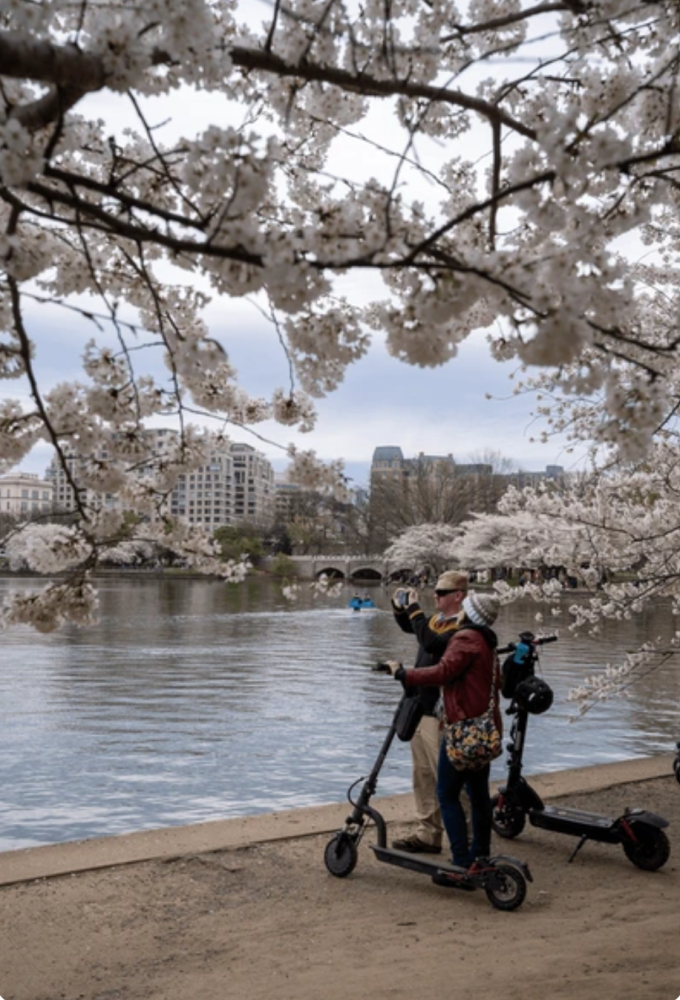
(381, 668)
(528, 641)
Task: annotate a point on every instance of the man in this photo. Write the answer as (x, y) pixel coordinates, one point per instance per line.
(432, 635)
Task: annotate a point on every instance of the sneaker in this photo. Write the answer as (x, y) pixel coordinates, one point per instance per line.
(478, 865)
(414, 845)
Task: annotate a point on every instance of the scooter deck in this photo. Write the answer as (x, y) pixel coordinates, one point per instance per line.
(577, 822)
(414, 862)
(451, 876)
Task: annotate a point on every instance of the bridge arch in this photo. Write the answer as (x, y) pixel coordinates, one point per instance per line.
(343, 567)
(366, 573)
(400, 574)
(331, 572)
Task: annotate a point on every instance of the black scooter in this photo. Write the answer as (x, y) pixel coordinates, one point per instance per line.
(639, 832)
(503, 879)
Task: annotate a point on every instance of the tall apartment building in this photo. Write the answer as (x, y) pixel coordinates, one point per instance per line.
(205, 496)
(158, 440)
(24, 494)
(253, 483)
(236, 483)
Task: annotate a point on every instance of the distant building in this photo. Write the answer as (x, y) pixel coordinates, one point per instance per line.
(313, 521)
(253, 484)
(24, 494)
(159, 441)
(289, 500)
(236, 483)
(389, 464)
(205, 496)
(435, 489)
(552, 472)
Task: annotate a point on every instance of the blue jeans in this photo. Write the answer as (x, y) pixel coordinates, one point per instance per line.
(450, 783)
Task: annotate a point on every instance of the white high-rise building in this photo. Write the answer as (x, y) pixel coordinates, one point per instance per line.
(160, 440)
(254, 490)
(237, 483)
(205, 496)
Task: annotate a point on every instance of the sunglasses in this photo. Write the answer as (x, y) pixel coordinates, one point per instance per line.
(443, 593)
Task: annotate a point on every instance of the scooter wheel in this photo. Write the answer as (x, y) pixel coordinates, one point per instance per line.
(651, 850)
(507, 888)
(507, 820)
(341, 855)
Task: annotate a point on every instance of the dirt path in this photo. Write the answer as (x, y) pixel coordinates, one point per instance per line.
(268, 923)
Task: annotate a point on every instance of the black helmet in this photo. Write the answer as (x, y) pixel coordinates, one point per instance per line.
(534, 695)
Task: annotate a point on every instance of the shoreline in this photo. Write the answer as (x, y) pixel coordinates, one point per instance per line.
(71, 857)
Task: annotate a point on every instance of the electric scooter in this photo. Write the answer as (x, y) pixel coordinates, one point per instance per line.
(640, 833)
(503, 879)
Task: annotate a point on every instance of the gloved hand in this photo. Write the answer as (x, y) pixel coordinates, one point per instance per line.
(392, 665)
(395, 668)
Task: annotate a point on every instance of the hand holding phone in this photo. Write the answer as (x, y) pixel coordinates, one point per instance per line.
(403, 597)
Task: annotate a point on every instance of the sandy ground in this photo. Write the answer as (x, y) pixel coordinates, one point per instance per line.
(267, 921)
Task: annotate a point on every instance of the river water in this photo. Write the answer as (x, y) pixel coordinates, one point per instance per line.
(194, 700)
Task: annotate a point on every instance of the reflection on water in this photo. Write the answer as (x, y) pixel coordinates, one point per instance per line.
(192, 700)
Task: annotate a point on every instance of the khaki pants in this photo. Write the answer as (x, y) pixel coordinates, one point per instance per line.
(425, 760)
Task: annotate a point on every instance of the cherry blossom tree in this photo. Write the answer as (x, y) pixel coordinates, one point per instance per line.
(617, 532)
(509, 166)
(432, 544)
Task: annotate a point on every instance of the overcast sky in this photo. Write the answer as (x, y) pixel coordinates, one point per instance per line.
(387, 402)
(381, 402)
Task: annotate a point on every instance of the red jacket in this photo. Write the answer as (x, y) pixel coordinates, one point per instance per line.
(465, 672)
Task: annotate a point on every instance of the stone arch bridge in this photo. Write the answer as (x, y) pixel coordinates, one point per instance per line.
(357, 568)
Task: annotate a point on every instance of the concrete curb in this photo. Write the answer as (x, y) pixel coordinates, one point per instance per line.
(55, 860)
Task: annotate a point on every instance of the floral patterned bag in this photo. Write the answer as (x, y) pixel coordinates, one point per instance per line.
(473, 743)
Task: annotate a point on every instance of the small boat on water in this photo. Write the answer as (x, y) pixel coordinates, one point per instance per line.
(358, 603)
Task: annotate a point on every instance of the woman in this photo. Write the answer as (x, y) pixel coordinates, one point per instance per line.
(468, 673)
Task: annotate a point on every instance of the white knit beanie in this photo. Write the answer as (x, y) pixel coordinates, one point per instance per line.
(481, 609)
